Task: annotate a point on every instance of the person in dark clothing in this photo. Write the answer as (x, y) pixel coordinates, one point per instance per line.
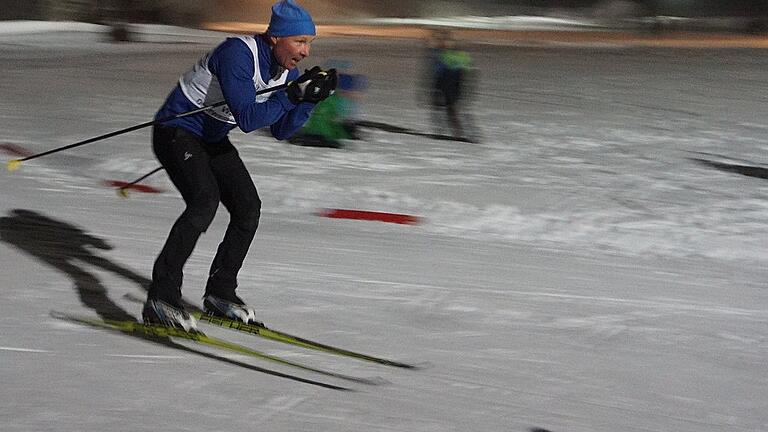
(448, 72)
(206, 168)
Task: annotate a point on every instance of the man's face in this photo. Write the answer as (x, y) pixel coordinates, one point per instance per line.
(290, 50)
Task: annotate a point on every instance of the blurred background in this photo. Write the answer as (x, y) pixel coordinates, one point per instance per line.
(648, 15)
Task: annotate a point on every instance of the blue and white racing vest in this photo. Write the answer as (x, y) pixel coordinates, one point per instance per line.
(202, 87)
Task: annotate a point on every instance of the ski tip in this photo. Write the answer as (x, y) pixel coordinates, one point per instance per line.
(415, 366)
(14, 164)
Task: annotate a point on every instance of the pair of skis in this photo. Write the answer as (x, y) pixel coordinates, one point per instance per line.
(166, 335)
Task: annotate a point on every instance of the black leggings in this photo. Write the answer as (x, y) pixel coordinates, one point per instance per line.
(205, 174)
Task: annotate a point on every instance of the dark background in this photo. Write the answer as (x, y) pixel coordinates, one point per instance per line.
(750, 15)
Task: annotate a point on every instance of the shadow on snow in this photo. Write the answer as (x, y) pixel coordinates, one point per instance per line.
(70, 250)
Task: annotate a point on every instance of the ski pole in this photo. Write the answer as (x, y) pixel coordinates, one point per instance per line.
(16, 163)
(123, 190)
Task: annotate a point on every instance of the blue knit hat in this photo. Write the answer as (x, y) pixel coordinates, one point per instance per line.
(290, 19)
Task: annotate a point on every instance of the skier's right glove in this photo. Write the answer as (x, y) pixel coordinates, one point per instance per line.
(313, 86)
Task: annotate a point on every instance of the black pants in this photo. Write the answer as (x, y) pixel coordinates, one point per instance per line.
(205, 174)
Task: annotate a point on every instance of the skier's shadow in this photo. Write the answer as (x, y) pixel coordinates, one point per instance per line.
(67, 248)
(401, 130)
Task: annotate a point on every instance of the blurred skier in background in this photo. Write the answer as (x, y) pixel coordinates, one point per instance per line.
(206, 168)
(334, 119)
(447, 77)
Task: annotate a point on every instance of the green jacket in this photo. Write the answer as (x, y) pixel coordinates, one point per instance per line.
(327, 119)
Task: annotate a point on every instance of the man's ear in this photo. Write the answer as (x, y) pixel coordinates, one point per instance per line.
(273, 40)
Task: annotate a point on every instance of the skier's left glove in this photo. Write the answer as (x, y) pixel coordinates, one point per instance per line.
(313, 86)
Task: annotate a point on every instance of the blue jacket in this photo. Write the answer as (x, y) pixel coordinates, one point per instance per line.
(232, 64)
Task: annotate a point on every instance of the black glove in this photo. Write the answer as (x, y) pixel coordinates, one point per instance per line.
(313, 86)
(296, 88)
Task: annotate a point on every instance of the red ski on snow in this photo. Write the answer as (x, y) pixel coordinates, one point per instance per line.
(371, 216)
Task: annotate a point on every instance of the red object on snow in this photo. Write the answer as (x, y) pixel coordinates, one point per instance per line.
(371, 216)
(15, 150)
(136, 187)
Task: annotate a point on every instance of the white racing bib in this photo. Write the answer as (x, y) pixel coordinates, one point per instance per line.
(202, 88)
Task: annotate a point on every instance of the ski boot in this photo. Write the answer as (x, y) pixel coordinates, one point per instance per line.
(160, 312)
(232, 307)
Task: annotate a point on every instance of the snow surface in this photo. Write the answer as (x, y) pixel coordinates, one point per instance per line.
(577, 269)
(513, 22)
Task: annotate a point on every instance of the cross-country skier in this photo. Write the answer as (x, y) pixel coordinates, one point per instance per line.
(449, 71)
(204, 165)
